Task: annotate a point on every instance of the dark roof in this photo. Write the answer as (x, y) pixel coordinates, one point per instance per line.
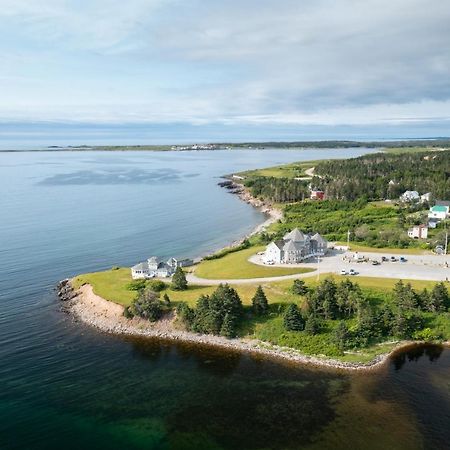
(442, 203)
(279, 244)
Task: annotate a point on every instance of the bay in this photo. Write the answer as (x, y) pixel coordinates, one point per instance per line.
(63, 384)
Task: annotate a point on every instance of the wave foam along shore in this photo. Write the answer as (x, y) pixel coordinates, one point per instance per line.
(108, 317)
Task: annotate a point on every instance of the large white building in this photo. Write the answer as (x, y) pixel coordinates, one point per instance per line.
(295, 247)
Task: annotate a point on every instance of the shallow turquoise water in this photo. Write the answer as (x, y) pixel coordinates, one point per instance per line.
(64, 385)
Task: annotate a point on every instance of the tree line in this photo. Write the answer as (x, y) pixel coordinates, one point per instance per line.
(385, 176)
(361, 321)
(280, 190)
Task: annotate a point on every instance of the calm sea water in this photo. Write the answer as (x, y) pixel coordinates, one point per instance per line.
(65, 385)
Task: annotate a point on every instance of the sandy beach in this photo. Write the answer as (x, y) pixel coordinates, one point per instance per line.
(108, 317)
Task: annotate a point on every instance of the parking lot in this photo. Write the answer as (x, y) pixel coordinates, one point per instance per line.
(415, 267)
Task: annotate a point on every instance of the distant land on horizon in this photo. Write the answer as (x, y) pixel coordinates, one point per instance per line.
(436, 142)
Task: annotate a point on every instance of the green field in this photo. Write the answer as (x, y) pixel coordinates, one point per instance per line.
(112, 286)
(236, 266)
(292, 170)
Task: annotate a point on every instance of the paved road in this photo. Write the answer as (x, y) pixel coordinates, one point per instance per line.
(192, 279)
(417, 267)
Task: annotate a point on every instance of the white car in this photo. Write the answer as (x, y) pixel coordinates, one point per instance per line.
(352, 272)
(343, 272)
(270, 263)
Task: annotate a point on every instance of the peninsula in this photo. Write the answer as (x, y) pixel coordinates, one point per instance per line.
(377, 286)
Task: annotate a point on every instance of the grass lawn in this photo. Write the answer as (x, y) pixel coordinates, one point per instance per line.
(112, 286)
(292, 170)
(354, 247)
(236, 266)
(373, 283)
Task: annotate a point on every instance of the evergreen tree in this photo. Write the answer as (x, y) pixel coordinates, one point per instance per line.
(312, 325)
(210, 312)
(341, 335)
(404, 295)
(424, 300)
(326, 297)
(406, 323)
(228, 328)
(293, 320)
(299, 287)
(179, 282)
(185, 314)
(259, 302)
(439, 299)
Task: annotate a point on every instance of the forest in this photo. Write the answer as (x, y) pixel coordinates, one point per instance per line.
(278, 190)
(382, 176)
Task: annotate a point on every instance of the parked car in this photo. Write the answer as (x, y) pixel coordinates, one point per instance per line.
(403, 259)
(393, 259)
(270, 263)
(384, 259)
(352, 272)
(375, 263)
(343, 272)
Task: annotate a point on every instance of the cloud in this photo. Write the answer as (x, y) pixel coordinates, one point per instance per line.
(305, 62)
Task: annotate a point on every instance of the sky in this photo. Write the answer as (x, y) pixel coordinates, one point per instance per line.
(235, 68)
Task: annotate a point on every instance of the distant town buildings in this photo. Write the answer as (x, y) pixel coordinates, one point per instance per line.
(295, 247)
(198, 147)
(154, 268)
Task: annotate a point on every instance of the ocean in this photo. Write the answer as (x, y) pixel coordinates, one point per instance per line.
(65, 385)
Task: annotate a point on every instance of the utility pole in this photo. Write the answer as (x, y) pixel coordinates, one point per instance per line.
(446, 242)
(318, 267)
(348, 240)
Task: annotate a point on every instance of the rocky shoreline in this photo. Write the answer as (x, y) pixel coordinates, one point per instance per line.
(108, 317)
(274, 214)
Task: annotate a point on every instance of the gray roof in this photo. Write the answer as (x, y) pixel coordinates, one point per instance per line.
(442, 203)
(140, 266)
(153, 260)
(292, 246)
(317, 237)
(295, 235)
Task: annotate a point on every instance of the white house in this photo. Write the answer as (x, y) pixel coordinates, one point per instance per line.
(418, 232)
(153, 267)
(295, 247)
(409, 196)
(425, 197)
(438, 212)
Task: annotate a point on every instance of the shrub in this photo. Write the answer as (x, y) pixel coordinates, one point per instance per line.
(147, 306)
(427, 334)
(157, 285)
(136, 285)
(127, 313)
